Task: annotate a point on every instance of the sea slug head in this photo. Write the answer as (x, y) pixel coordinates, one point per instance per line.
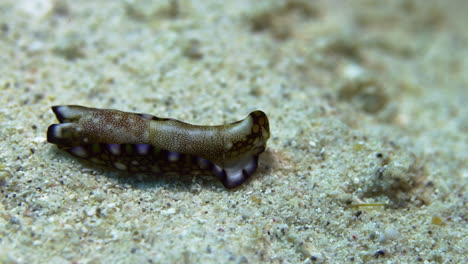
(241, 160)
(260, 132)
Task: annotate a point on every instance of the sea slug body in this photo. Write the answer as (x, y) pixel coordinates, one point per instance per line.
(145, 143)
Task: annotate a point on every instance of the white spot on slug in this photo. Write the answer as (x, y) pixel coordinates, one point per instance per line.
(203, 163)
(173, 156)
(114, 149)
(79, 151)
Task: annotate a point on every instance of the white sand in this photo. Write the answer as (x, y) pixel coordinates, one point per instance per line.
(367, 163)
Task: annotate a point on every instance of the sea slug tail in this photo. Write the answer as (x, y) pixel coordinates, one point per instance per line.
(70, 113)
(67, 132)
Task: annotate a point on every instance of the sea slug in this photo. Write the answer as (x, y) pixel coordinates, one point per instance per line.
(145, 143)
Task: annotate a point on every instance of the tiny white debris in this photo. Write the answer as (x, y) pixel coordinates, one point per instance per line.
(36, 46)
(91, 211)
(169, 211)
(39, 139)
(353, 71)
(37, 8)
(389, 234)
(99, 195)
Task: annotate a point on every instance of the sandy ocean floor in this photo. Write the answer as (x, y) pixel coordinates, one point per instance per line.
(367, 100)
